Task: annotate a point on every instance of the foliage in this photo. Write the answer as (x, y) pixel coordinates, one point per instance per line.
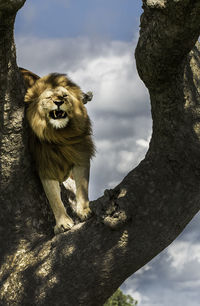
(120, 299)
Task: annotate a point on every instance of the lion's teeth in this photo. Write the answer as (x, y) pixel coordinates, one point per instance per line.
(54, 113)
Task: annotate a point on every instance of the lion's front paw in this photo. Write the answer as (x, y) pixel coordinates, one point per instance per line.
(63, 224)
(84, 211)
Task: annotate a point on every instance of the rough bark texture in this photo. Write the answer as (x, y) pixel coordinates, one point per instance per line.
(131, 223)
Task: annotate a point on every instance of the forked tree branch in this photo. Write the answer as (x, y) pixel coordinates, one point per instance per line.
(143, 214)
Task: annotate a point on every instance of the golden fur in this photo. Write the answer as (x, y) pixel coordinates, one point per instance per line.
(29, 77)
(60, 140)
(57, 150)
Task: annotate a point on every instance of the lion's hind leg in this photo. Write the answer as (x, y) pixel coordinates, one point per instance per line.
(52, 190)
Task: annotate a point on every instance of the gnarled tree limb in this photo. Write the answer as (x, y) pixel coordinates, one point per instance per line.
(138, 218)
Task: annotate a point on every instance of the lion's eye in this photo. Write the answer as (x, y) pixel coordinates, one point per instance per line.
(62, 97)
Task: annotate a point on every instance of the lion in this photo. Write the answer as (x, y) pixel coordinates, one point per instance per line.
(60, 140)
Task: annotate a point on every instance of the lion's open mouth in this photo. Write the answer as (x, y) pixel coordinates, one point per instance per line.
(58, 114)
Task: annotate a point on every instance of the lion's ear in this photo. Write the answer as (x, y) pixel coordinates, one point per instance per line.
(28, 96)
(29, 77)
(87, 97)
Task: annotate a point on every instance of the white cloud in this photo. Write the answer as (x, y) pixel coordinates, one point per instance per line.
(144, 269)
(143, 143)
(108, 69)
(114, 81)
(183, 252)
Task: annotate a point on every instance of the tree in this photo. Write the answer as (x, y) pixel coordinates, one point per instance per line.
(138, 218)
(120, 299)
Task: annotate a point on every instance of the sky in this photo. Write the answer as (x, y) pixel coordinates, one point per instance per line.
(93, 41)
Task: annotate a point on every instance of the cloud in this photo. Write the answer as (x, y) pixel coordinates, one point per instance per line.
(183, 252)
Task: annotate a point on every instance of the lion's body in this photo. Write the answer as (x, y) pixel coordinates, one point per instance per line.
(60, 138)
(55, 161)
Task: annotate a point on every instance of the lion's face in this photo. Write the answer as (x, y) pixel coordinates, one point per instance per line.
(56, 105)
(55, 109)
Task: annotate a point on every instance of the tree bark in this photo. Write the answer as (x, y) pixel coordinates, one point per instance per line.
(138, 218)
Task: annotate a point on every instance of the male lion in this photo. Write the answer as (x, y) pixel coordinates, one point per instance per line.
(60, 140)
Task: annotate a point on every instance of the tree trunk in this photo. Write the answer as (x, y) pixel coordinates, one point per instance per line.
(138, 218)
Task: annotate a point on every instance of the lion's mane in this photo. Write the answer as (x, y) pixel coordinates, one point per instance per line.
(56, 151)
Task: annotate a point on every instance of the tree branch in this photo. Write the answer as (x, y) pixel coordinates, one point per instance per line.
(169, 30)
(11, 5)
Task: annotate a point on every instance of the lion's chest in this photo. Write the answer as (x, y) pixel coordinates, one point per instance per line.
(54, 161)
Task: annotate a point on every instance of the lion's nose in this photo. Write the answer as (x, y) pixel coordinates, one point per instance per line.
(58, 103)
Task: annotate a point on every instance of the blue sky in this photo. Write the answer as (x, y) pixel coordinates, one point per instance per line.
(93, 41)
(113, 19)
